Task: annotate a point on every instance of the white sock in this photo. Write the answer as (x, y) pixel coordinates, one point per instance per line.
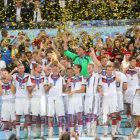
(13, 130)
(88, 128)
(136, 131)
(29, 130)
(18, 130)
(50, 132)
(38, 130)
(34, 130)
(118, 125)
(114, 128)
(60, 130)
(6, 134)
(93, 128)
(105, 127)
(129, 118)
(80, 130)
(25, 131)
(42, 130)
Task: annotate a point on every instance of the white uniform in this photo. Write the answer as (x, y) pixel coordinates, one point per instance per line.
(8, 103)
(65, 97)
(133, 81)
(38, 100)
(55, 99)
(76, 101)
(109, 100)
(91, 96)
(136, 104)
(120, 90)
(22, 101)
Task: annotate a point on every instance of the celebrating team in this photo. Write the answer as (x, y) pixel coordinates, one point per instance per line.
(62, 92)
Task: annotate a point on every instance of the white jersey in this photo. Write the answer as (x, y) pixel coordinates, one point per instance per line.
(132, 77)
(91, 84)
(7, 92)
(44, 64)
(76, 84)
(123, 80)
(57, 85)
(21, 85)
(109, 90)
(39, 90)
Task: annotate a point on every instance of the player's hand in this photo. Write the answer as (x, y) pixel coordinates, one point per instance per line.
(73, 134)
(101, 93)
(50, 85)
(30, 95)
(34, 85)
(71, 94)
(15, 69)
(139, 91)
(68, 81)
(136, 70)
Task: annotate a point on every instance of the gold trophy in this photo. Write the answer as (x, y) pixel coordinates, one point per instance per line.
(54, 58)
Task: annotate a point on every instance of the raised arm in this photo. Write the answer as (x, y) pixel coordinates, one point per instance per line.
(39, 54)
(93, 56)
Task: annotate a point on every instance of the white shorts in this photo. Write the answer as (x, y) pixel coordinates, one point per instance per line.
(136, 107)
(22, 106)
(8, 111)
(109, 105)
(75, 104)
(38, 106)
(55, 106)
(120, 101)
(129, 95)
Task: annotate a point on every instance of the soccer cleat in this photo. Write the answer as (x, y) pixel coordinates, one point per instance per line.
(112, 136)
(26, 136)
(38, 136)
(105, 136)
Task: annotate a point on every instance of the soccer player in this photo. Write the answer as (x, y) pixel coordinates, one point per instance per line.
(121, 88)
(7, 91)
(136, 112)
(132, 74)
(107, 89)
(91, 100)
(75, 107)
(55, 100)
(22, 101)
(37, 85)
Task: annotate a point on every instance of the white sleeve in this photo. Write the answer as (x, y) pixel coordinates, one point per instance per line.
(124, 79)
(46, 81)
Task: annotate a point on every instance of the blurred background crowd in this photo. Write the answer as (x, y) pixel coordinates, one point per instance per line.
(35, 11)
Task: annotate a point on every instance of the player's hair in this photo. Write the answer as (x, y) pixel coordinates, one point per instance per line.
(116, 65)
(103, 57)
(97, 138)
(91, 64)
(82, 46)
(35, 52)
(35, 66)
(78, 66)
(69, 68)
(108, 66)
(131, 58)
(66, 58)
(65, 136)
(20, 65)
(4, 70)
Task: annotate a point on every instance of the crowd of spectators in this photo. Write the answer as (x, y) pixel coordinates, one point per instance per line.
(22, 50)
(36, 11)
